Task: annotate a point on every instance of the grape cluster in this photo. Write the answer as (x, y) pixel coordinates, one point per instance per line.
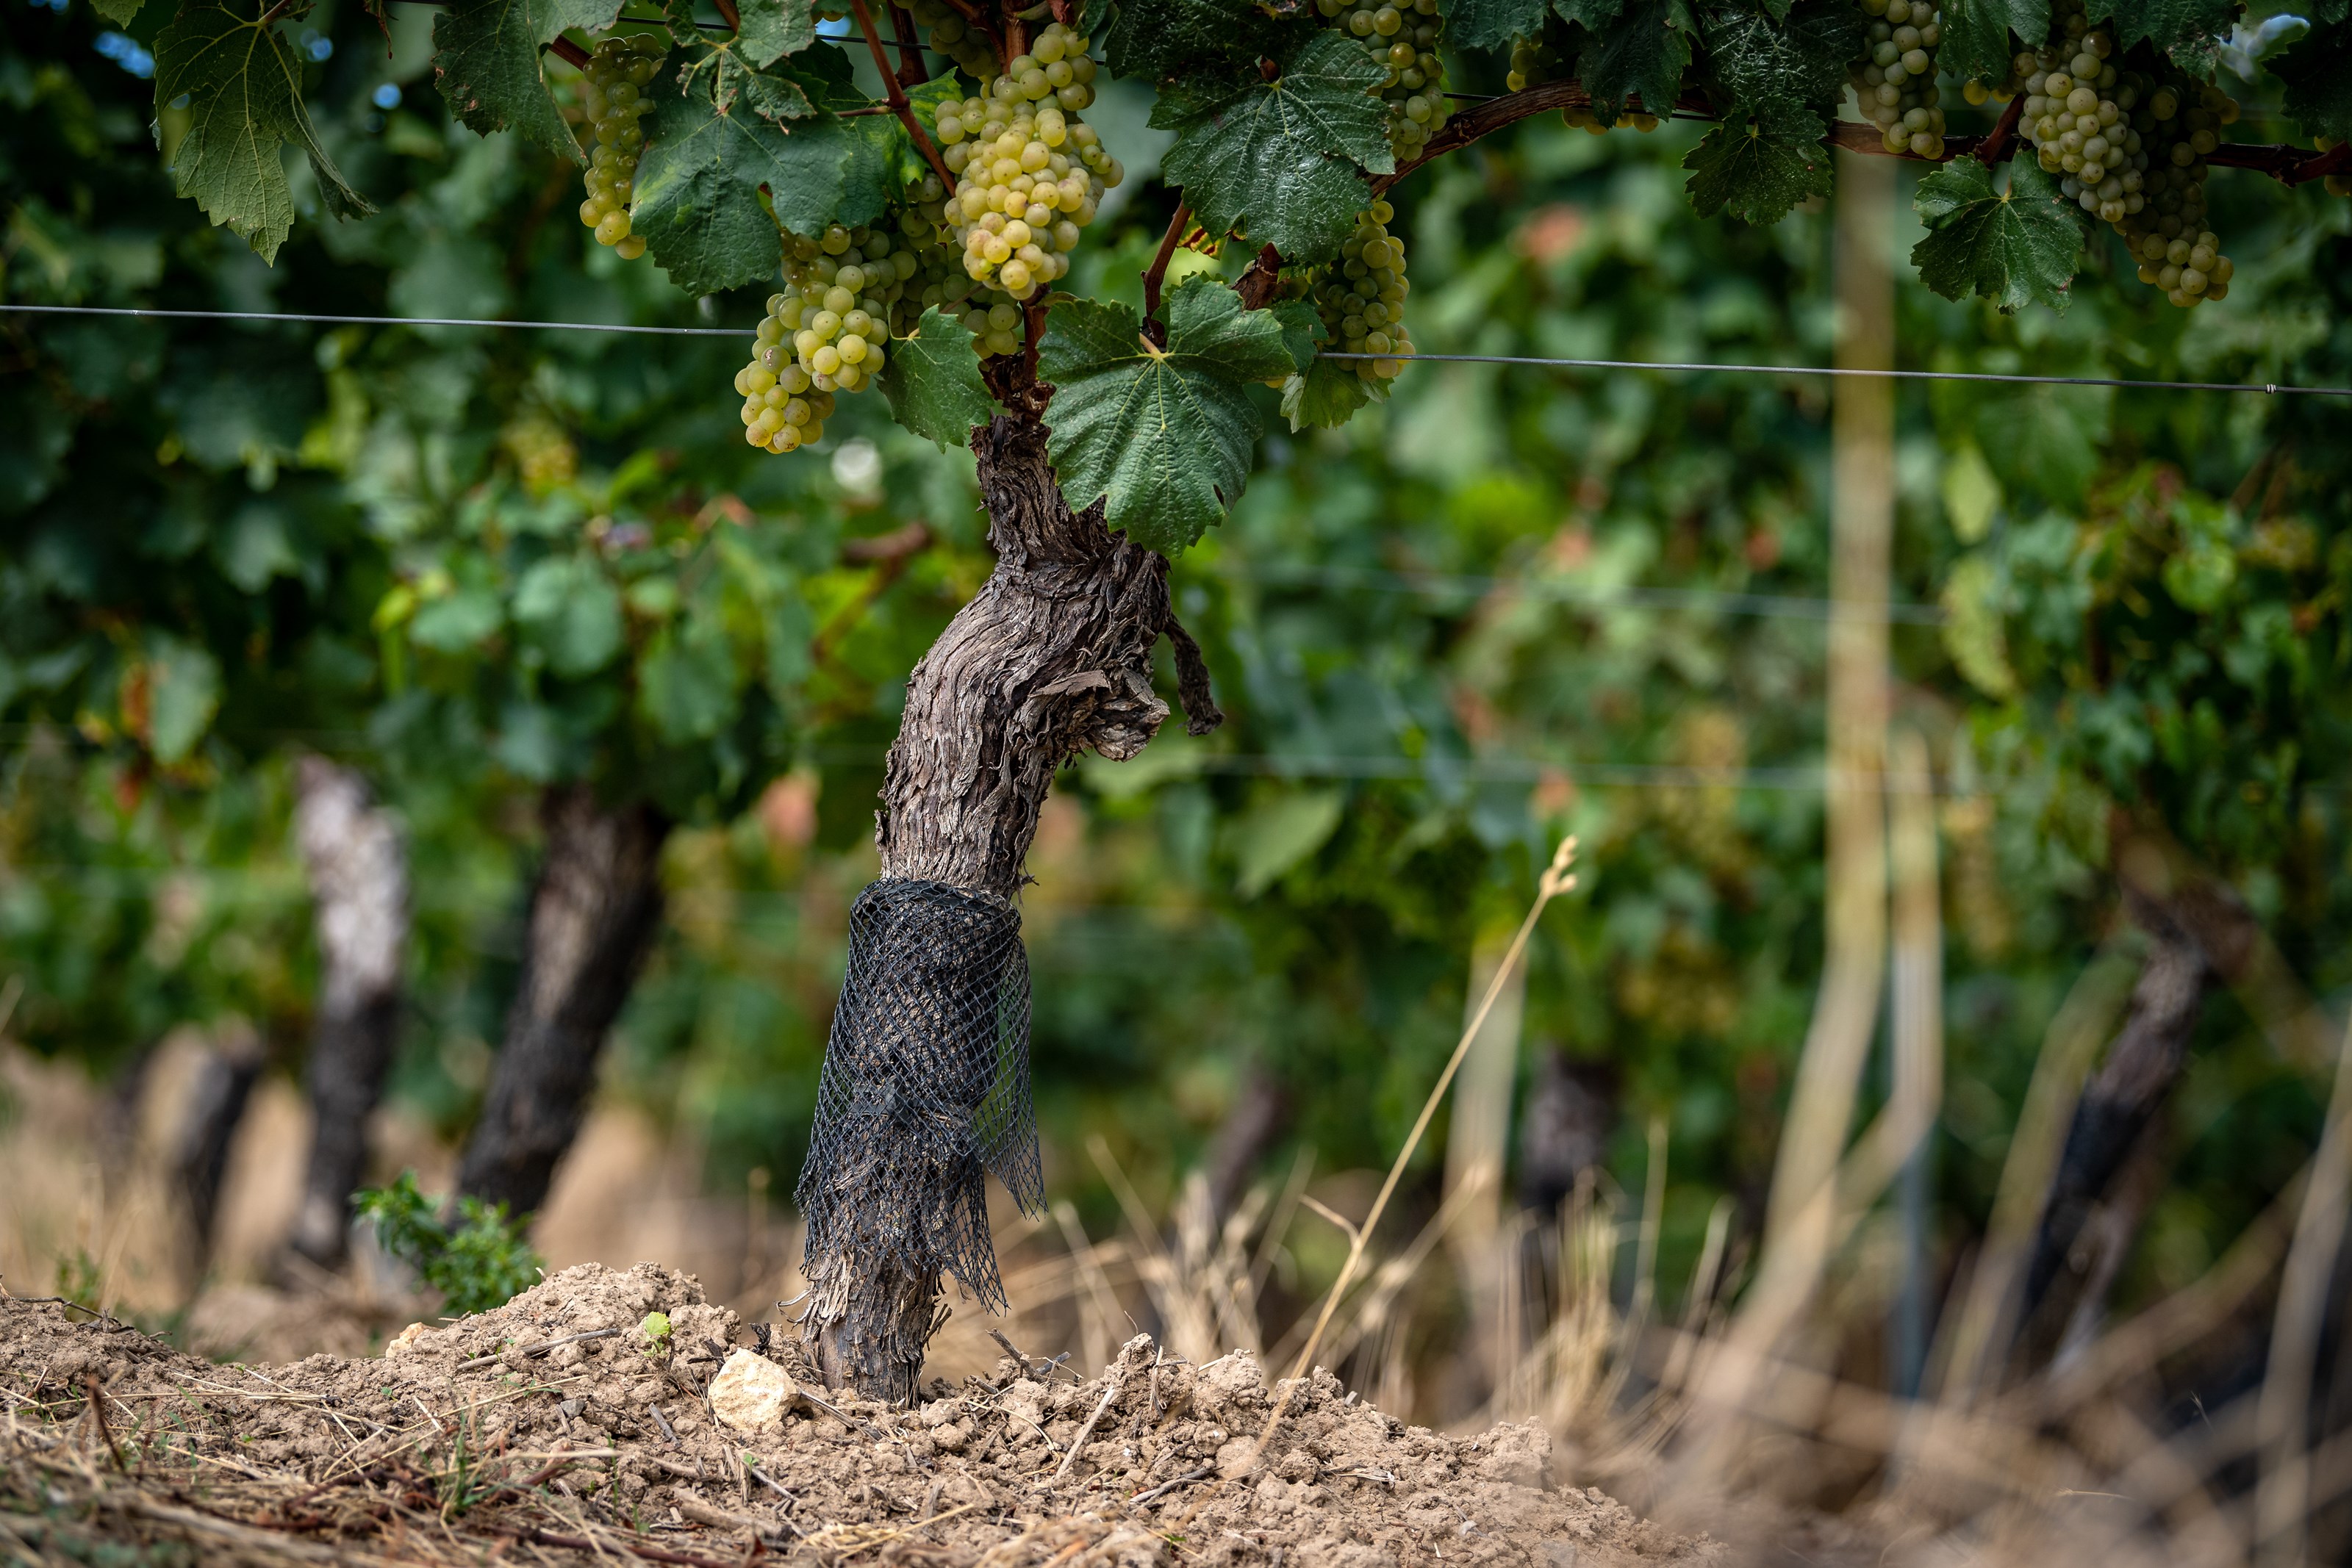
(1362, 299)
(1532, 61)
(2132, 149)
(953, 37)
(1401, 36)
(617, 70)
(825, 333)
(1029, 174)
(1895, 84)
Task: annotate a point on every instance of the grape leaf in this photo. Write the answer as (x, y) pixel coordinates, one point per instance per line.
(487, 61)
(2012, 246)
(1593, 15)
(1302, 328)
(1162, 439)
(1278, 161)
(773, 94)
(243, 87)
(1491, 23)
(183, 690)
(774, 28)
(1975, 34)
(1154, 39)
(1328, 393)
(118, 12)
(697, 195)
(1757, 172)
(932, 381)
(1642, 54)
(1800, 62)
(2318, 76)
(2167, 24)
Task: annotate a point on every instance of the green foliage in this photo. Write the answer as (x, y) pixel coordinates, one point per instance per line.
(2016, 247)
(1162, 438)
(1642, 54)
(772, 29)
(2168, 24)
(1283, 161)
(1976, 33)
(701, 185)
(933, 381)
(1797, 61)
(2317, 72)
(1760, 171)
(488, 63)
(481, 1261)
(243, 87)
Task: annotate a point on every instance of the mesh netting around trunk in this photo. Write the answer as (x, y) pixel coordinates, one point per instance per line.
(925, 1087)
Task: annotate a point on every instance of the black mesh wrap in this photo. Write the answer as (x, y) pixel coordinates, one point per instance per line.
(926, 1086)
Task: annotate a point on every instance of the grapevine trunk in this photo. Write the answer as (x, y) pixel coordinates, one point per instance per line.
(593, 912)
(358, 872)
(1052, 657)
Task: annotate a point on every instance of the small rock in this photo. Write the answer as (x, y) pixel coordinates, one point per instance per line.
(951, 1438)
(1230, 1384)
(1520, 1455)
(406, 1340)
(752, 1394)
(1557, 1555)
(571, 1409)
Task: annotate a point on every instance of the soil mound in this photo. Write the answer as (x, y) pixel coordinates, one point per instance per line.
(620, 1416)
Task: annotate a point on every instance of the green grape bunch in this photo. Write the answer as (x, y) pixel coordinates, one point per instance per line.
(616, 73)
(1029, 172)
(1895, 83)
(2132, 150)
(1362, 299)
(945, 28)
(1533, 62)
(1401, 38)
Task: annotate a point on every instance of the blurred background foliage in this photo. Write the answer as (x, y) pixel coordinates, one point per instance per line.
(1506, 604)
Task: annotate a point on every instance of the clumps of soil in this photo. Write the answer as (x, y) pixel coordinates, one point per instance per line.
(566, 1425)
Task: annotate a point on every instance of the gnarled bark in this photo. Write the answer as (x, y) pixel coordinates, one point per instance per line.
(2200, 935)
(1053, 657)
(593, 912)
(358, 871)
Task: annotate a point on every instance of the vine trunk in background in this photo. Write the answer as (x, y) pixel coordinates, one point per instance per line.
(919, 238)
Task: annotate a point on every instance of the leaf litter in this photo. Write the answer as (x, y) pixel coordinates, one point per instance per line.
(555, 1430)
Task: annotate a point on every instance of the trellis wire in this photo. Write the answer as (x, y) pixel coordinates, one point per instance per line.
(2270, 388)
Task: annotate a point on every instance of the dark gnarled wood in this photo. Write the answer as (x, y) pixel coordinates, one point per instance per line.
(593, 914)
(1053, 657)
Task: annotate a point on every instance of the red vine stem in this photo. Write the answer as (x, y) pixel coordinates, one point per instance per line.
(569, 52)
(1158, 270)
(729, 15)
(899, 104)
(1995, 146)
(911, 70)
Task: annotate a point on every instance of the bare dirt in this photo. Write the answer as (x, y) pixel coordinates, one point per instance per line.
(555, 1429)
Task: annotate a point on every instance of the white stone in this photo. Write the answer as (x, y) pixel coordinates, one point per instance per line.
(752, 1394)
